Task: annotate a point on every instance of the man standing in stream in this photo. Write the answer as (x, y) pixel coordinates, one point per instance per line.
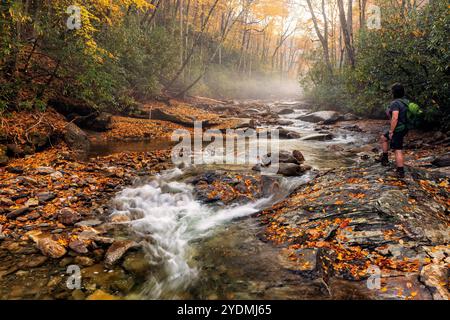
(398, 113)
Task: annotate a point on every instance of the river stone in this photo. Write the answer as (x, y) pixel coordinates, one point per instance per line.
(102, 295)
(45, 196)
(283, 122)
(45, 170)
(50, 248)
(56, 175)
(18, 212)
(319, 137)
(68, 216)
(327, 117)
(117, 250)
(32, 261)
(32, 202)
(290, 169)
(288, 134)
(298, 156)
(88, 223)
(84, 261)
(120, 218)
(136, 263)
(78, 246)
(285, 111)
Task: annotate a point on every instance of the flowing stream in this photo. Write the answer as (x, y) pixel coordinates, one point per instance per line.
(201, 251)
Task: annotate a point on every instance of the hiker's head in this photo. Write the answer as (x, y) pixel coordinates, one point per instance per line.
(398, 91)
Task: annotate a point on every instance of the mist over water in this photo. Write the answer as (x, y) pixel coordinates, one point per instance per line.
(255, 87)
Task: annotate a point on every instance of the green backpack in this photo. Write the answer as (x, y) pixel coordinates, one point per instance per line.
(413, 115)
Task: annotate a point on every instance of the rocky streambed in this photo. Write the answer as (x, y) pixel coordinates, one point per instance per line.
(335, 220)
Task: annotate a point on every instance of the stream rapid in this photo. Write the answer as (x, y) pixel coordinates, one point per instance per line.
(201, 251)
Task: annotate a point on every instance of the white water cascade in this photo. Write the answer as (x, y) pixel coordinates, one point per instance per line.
(165, 213)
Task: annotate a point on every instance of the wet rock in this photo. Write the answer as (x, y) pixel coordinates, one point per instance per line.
(88, 223)
(136, 263)
(84, 261)
(120, 218)
(319, 137)
(66, 261)
(68, 216)
(102, 295)
(45, 170)
(290, 169)
(117, 250)
(436, 276)
(76, 138)
(50, 248)
(32, 261)
(45, 196)
(285, 111)
(115, 172)
(54, 282)
(33, 202)
(28, 181)
(326, 117)
(78, 295)
(298, 156)
(288, 134)
(78, 246)
(18, 212)
(284, 122)
(442, 161)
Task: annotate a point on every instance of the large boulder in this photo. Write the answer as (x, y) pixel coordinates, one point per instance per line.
(101, 123)
(76, 138)
(327, 117)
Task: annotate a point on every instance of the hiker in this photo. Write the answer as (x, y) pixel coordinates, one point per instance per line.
(398, 113)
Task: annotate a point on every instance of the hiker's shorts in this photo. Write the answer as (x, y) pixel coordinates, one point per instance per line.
(397, 139)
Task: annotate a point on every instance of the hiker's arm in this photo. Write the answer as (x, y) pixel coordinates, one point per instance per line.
(394, 122)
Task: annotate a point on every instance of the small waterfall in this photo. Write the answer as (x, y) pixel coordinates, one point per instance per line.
(166, 213)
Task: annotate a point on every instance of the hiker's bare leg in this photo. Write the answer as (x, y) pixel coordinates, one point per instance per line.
(399, 159)
(384, 144)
